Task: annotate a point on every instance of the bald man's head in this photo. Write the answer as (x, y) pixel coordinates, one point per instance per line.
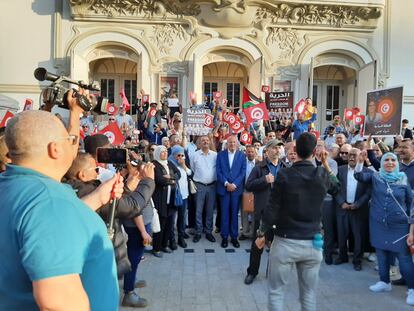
(29, 133)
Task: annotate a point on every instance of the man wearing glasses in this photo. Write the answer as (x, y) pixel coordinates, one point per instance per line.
(56, 252)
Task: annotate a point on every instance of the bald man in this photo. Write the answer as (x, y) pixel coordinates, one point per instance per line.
(56, 254)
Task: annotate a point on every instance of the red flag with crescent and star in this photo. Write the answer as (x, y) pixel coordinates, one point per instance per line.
(254, 107)
(113, 133)
(246, 138)
(6, 119)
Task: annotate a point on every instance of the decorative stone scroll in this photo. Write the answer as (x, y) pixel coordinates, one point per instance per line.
(317, 14)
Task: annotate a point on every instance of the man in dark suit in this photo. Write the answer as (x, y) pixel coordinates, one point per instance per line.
(352, 200)
(405, 131)
(231, 170)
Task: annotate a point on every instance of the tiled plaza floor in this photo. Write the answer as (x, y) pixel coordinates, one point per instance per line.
(206, 277)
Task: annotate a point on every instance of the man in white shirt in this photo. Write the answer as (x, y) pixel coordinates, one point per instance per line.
(124, 120)
(203, 164)
(352, 200)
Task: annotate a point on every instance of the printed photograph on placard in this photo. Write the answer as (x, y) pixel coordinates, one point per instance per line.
(383, 113)
(282, 85)
(168, 87)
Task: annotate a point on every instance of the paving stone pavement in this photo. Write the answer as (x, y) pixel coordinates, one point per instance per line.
(205, 277)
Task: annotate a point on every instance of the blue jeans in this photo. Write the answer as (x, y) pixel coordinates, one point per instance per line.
(284, 256)
(135, 249)
(182, 211)
(405, 261)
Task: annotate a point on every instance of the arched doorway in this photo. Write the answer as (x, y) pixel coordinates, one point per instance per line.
(227, 77)
(333, 91)
(115, 74)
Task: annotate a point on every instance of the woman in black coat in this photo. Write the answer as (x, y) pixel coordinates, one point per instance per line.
(166, 175)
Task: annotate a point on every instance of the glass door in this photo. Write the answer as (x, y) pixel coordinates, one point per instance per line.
(233, 96)
(332, 102)
(209, 89)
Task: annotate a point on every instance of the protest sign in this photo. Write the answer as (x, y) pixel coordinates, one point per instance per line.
(384, 109)
(279, 105)
(195, 121)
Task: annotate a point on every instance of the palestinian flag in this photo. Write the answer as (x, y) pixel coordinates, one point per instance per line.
(249, 99)
(254, 108)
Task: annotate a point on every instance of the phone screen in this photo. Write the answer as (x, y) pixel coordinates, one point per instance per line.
(112, 155)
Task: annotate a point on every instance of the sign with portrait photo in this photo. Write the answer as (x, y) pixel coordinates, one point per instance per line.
(282, 85)
(279, 105)
(383, 113)
(168, 87)
(197, 121)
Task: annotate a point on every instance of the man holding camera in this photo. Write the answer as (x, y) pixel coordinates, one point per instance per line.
(56, 252)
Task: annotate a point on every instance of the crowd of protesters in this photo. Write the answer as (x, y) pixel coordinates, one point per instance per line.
(178, 188)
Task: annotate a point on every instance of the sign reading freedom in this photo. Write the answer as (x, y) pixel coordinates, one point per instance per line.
(194, 121)
(282, 100)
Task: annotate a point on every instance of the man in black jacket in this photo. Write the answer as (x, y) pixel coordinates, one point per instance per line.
(260, 182)
(295, 210)
(352, 200)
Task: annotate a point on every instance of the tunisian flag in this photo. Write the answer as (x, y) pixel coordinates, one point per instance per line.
(125, 102)
(208, 120)
(246, 138)
(256, 113)
(113, 133)
(6, 119)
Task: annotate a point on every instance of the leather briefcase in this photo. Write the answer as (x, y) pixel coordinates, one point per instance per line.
(248, 202)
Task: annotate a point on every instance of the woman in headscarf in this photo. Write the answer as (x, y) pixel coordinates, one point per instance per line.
(166, 175)
(177, 157)
(389, 220)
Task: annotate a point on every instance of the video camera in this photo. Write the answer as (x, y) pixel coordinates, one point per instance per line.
(57, 94)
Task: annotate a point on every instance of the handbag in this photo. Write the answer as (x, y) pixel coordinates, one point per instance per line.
(192, 186)
(178, 201)
(155, 223)
(248, 202)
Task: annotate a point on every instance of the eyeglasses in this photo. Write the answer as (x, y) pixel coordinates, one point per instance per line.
(93, 168)
(111, 119)
(85, 126)
(180, 155)
(342, 152)
(72, 138)
(152, 149)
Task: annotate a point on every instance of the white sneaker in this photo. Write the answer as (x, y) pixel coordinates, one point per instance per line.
(410, 297)
(393, 270)
(372, 257)
(381, 287)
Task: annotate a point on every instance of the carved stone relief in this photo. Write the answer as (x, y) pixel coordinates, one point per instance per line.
(317, 14)
(287, 39)
(147, 8)
(165, 34)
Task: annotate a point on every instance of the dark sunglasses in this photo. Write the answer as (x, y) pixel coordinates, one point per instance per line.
(94, 168)
(180, 155)
(343, 152)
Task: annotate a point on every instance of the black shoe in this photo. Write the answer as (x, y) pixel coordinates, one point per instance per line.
(224, 243)
(197, 238)
(210, 237)
(173, 245)
(399, 282)
(328, 260)
(242, 237)
(235, 243)
(357, 266)
(166, 250)
(182, 243)
(339, 261)
(185, 235)
(157, 254)
(249, 279)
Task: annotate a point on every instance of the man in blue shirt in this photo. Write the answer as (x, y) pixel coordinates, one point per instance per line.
(300, 126)
(55, 250)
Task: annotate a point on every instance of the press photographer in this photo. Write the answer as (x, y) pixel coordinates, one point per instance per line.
(43, 224)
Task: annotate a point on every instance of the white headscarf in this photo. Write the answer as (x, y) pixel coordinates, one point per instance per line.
(164, 163)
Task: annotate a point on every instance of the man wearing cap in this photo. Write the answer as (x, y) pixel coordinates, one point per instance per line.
(260, 182)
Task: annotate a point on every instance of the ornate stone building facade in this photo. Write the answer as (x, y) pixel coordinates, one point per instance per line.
(332, 51)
